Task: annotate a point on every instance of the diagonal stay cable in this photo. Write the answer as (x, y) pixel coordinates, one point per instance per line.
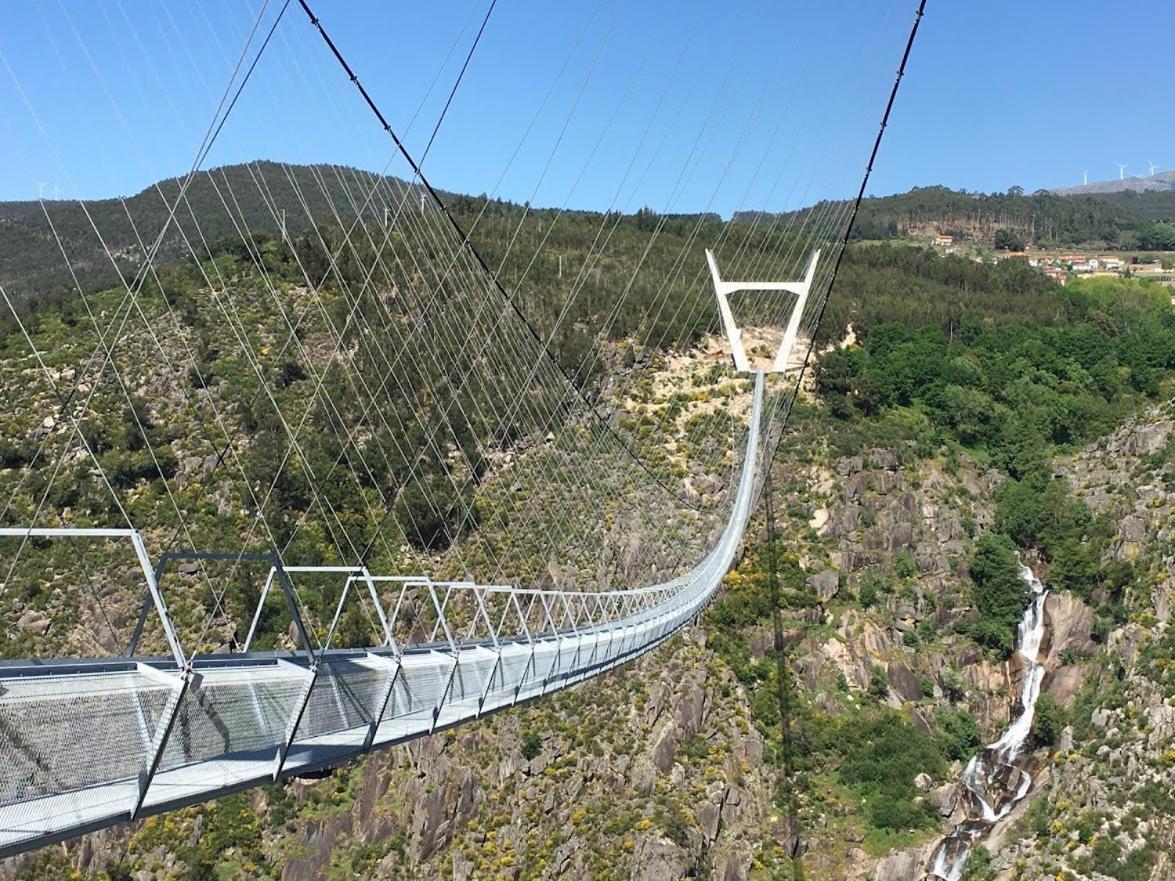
(432, 138)
(848, 231)
(468, 246)
(205, 146)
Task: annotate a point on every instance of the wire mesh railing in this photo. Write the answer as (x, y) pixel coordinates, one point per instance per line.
(93, 742)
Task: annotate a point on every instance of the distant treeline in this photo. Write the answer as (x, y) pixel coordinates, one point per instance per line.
(1125, 219)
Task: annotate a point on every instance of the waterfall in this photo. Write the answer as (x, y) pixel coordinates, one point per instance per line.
(993, 783)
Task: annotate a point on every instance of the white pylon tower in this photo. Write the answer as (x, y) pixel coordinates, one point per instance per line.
(723, 290)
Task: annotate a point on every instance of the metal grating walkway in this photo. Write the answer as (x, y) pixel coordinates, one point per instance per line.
(88, 744)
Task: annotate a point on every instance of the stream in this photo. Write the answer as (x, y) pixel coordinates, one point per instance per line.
(995, 779)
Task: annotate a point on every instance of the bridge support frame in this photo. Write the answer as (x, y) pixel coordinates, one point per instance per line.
(723, 290)
(171, 711)
(276, 568)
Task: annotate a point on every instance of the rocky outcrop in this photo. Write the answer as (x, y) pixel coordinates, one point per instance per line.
(658, 859)
(825, 584)
(1113, 764)
(1069, 625)
(879, 510)
(904, 865)
(903, 681)
(1064, 683)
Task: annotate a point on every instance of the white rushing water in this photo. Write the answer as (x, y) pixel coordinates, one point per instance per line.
(986, 781)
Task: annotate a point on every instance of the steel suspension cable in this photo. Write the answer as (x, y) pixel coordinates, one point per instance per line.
(889, 105)
(467, 245)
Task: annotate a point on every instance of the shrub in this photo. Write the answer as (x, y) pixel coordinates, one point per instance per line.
(1048, 721)
(958, 731)
(532, 745)
(867, 593)
(998, 592)
(978, 865)
(882, 757)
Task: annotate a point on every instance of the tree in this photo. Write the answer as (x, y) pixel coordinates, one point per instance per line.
(958, 731)
(532, 745)
(978, 865)
(837, 372)
(882, 756)
(1006, 240)
(998, 592)
(1074, 565)
(1157, 237)
(1048, 721)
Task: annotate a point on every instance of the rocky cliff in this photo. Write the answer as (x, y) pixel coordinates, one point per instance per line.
(1104, 807)
(673, 767)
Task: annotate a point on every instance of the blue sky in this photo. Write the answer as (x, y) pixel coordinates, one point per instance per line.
(602, 103)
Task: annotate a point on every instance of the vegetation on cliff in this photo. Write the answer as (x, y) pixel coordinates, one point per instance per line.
(905, 488)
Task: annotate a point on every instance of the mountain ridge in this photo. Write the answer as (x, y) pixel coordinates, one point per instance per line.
(1163, 181)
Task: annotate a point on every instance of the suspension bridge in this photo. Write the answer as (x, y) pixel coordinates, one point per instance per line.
(431, 383)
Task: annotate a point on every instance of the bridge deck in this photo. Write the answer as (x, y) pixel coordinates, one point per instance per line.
(90, 744)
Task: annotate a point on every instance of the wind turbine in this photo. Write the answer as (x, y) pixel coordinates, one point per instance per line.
(1154, 168)
(1122, 170)
(1085, 178)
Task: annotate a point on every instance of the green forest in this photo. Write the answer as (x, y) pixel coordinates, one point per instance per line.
(1015, 393)
(1125, 219)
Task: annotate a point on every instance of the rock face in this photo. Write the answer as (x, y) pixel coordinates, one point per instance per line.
(825, 584)
(659, 860)
(1069, 623)
(657, 770)
(946, 797)
(902, 866)
(903, 681)
(1064, 683)
(881, 513)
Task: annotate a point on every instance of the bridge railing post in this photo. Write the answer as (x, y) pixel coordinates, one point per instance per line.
(530, 641)
(397, 650)
(180, 685)
(556, 633)
(443, 624)
(489, 681)
(315, 658)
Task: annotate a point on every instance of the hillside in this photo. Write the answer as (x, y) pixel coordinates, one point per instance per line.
(258, 198)
(1161, 181)
(226, 199)
(972, 406)
(1046, 219)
